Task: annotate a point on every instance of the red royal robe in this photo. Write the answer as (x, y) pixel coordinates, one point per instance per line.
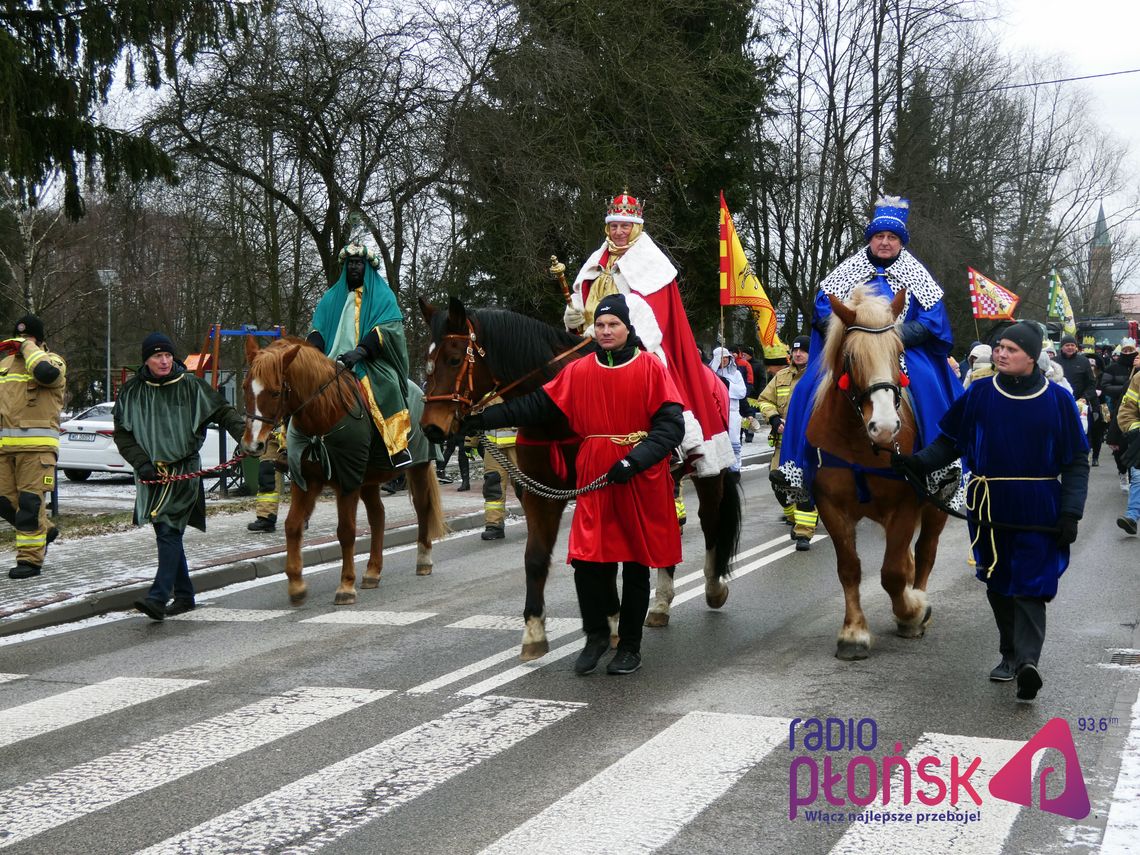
(635, 521)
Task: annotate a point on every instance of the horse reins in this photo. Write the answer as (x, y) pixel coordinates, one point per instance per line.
(286, 389)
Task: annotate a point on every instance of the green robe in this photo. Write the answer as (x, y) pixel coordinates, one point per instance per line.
(344, 318)
(165, 422)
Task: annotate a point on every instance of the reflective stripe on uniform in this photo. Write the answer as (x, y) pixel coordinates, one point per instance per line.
(31, 541)
(25, 441)
(494, 506)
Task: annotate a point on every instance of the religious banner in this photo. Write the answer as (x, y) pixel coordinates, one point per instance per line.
(1059, 305)
(989, 300)
(739, 284)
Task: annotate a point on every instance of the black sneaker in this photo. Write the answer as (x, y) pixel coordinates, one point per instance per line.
(1128, 524)
(444, 478)
(266, 524)
(1029, 682)
(596, 647)
(1002, 672)
(153, 609)
(624, 662)
(23, 570)
(492, 532)
(180, 606)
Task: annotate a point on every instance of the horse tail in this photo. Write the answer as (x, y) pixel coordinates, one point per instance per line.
(436, 524)
(729, 521)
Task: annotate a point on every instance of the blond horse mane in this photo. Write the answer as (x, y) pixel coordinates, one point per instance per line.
(872, 356)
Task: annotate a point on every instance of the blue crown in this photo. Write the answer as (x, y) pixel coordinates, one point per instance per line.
(891, 213)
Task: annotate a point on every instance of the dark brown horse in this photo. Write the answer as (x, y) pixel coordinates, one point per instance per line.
(291, 379)
(479, 354)
(861, 414)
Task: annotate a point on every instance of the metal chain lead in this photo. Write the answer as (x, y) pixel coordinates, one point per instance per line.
(536, 487)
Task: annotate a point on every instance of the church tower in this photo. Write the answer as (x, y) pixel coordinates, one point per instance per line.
(1100, 291)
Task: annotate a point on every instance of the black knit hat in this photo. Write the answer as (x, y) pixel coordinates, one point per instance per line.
(801, 342)
(30, 326)
(1024, 335)
(154, 343)
(1068, 338)
(614, 305)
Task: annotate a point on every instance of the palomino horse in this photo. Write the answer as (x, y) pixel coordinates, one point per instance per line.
(291, 379)
(480, 354)
(860, 415)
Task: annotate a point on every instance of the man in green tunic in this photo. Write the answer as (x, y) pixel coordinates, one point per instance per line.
(359, 322)
(160, 424)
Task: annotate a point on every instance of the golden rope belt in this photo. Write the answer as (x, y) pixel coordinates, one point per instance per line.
(978, 502)
(621, 439)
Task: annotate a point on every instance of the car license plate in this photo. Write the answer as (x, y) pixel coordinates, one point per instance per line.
(81, 437)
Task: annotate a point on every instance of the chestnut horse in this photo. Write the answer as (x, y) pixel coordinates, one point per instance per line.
(291, 379)
(480, 354)
(860, 415)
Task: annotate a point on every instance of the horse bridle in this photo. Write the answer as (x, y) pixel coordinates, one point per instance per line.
(465, 398)
(287, 390)
(858, 396)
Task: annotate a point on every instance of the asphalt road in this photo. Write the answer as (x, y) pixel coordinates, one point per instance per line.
(387, 727)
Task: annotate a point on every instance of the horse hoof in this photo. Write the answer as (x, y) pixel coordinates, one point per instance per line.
(715, 601)
(851, 651)
(298, 599)
(657, 619)
(423, 569)
(370, 582)
(345, 598)
(534, 650)
(910, 630)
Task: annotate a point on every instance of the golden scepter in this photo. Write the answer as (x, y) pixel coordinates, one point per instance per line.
(558, 271)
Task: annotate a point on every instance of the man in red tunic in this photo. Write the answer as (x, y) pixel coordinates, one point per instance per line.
(630, 263)
(624, 405)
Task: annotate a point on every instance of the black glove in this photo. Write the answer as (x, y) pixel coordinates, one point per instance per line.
(1130, 449)
(351, 357)
(1066, 529)
(776, 423)
(147, 472)
(472, 424)
(908, 467)
(621, 472)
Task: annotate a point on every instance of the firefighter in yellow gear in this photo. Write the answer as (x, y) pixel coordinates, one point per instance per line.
(270, 482)
(32, 383)
(802, 516)
(495, 479)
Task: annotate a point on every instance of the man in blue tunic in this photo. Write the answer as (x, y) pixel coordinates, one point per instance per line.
(887, 267)
(1017, 433)
(359, 323)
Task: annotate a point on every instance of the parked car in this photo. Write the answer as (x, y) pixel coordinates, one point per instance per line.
(86, 445)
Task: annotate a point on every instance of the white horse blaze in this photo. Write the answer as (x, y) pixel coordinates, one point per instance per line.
(884, 416)
(256, 426)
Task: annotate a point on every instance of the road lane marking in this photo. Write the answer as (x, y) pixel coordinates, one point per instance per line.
(511, 623)
(86, 702)
(363, 617)
(987, 834)
(36, 807)
(689, 765)
(1123, 829)
(212, 613)
(316, 810)
(573, 647)
(8, 678)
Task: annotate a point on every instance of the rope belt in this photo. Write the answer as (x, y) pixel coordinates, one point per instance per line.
(622, 439)
(978, 502)
(167, 478)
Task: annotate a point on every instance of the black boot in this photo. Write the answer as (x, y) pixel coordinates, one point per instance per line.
(23, 570)
(464, 486)
(266, 524)
(493, 532)
(1002, 607)
(1028, 639)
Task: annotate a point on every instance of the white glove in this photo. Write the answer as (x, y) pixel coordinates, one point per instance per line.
(572, 318)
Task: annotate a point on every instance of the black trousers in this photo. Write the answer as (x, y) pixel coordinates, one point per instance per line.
(596, 583)
(1021, 627)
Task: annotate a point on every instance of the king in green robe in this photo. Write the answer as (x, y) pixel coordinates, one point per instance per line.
(359, 323)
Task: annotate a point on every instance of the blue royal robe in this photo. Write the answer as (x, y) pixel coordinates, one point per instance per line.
(1002, 436)
(933, 384)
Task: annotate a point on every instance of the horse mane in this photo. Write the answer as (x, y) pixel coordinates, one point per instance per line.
(308, 370)
(865, 352)
(514, 343)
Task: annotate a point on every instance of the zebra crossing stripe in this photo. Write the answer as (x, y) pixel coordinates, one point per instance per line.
(364, 617)
(316, 810)
(35, 807)
(87, 702)
(986, 834)
(1124, 815)
(8, 678)
(232, 615)
(689, 765)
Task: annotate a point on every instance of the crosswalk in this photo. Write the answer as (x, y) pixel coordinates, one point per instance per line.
(677, 772)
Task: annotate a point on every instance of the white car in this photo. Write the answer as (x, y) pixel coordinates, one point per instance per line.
(87, 444)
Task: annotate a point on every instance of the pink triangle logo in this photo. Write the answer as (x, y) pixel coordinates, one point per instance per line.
(1013, 782)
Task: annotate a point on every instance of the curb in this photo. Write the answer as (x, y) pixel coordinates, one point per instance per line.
(122, 597)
